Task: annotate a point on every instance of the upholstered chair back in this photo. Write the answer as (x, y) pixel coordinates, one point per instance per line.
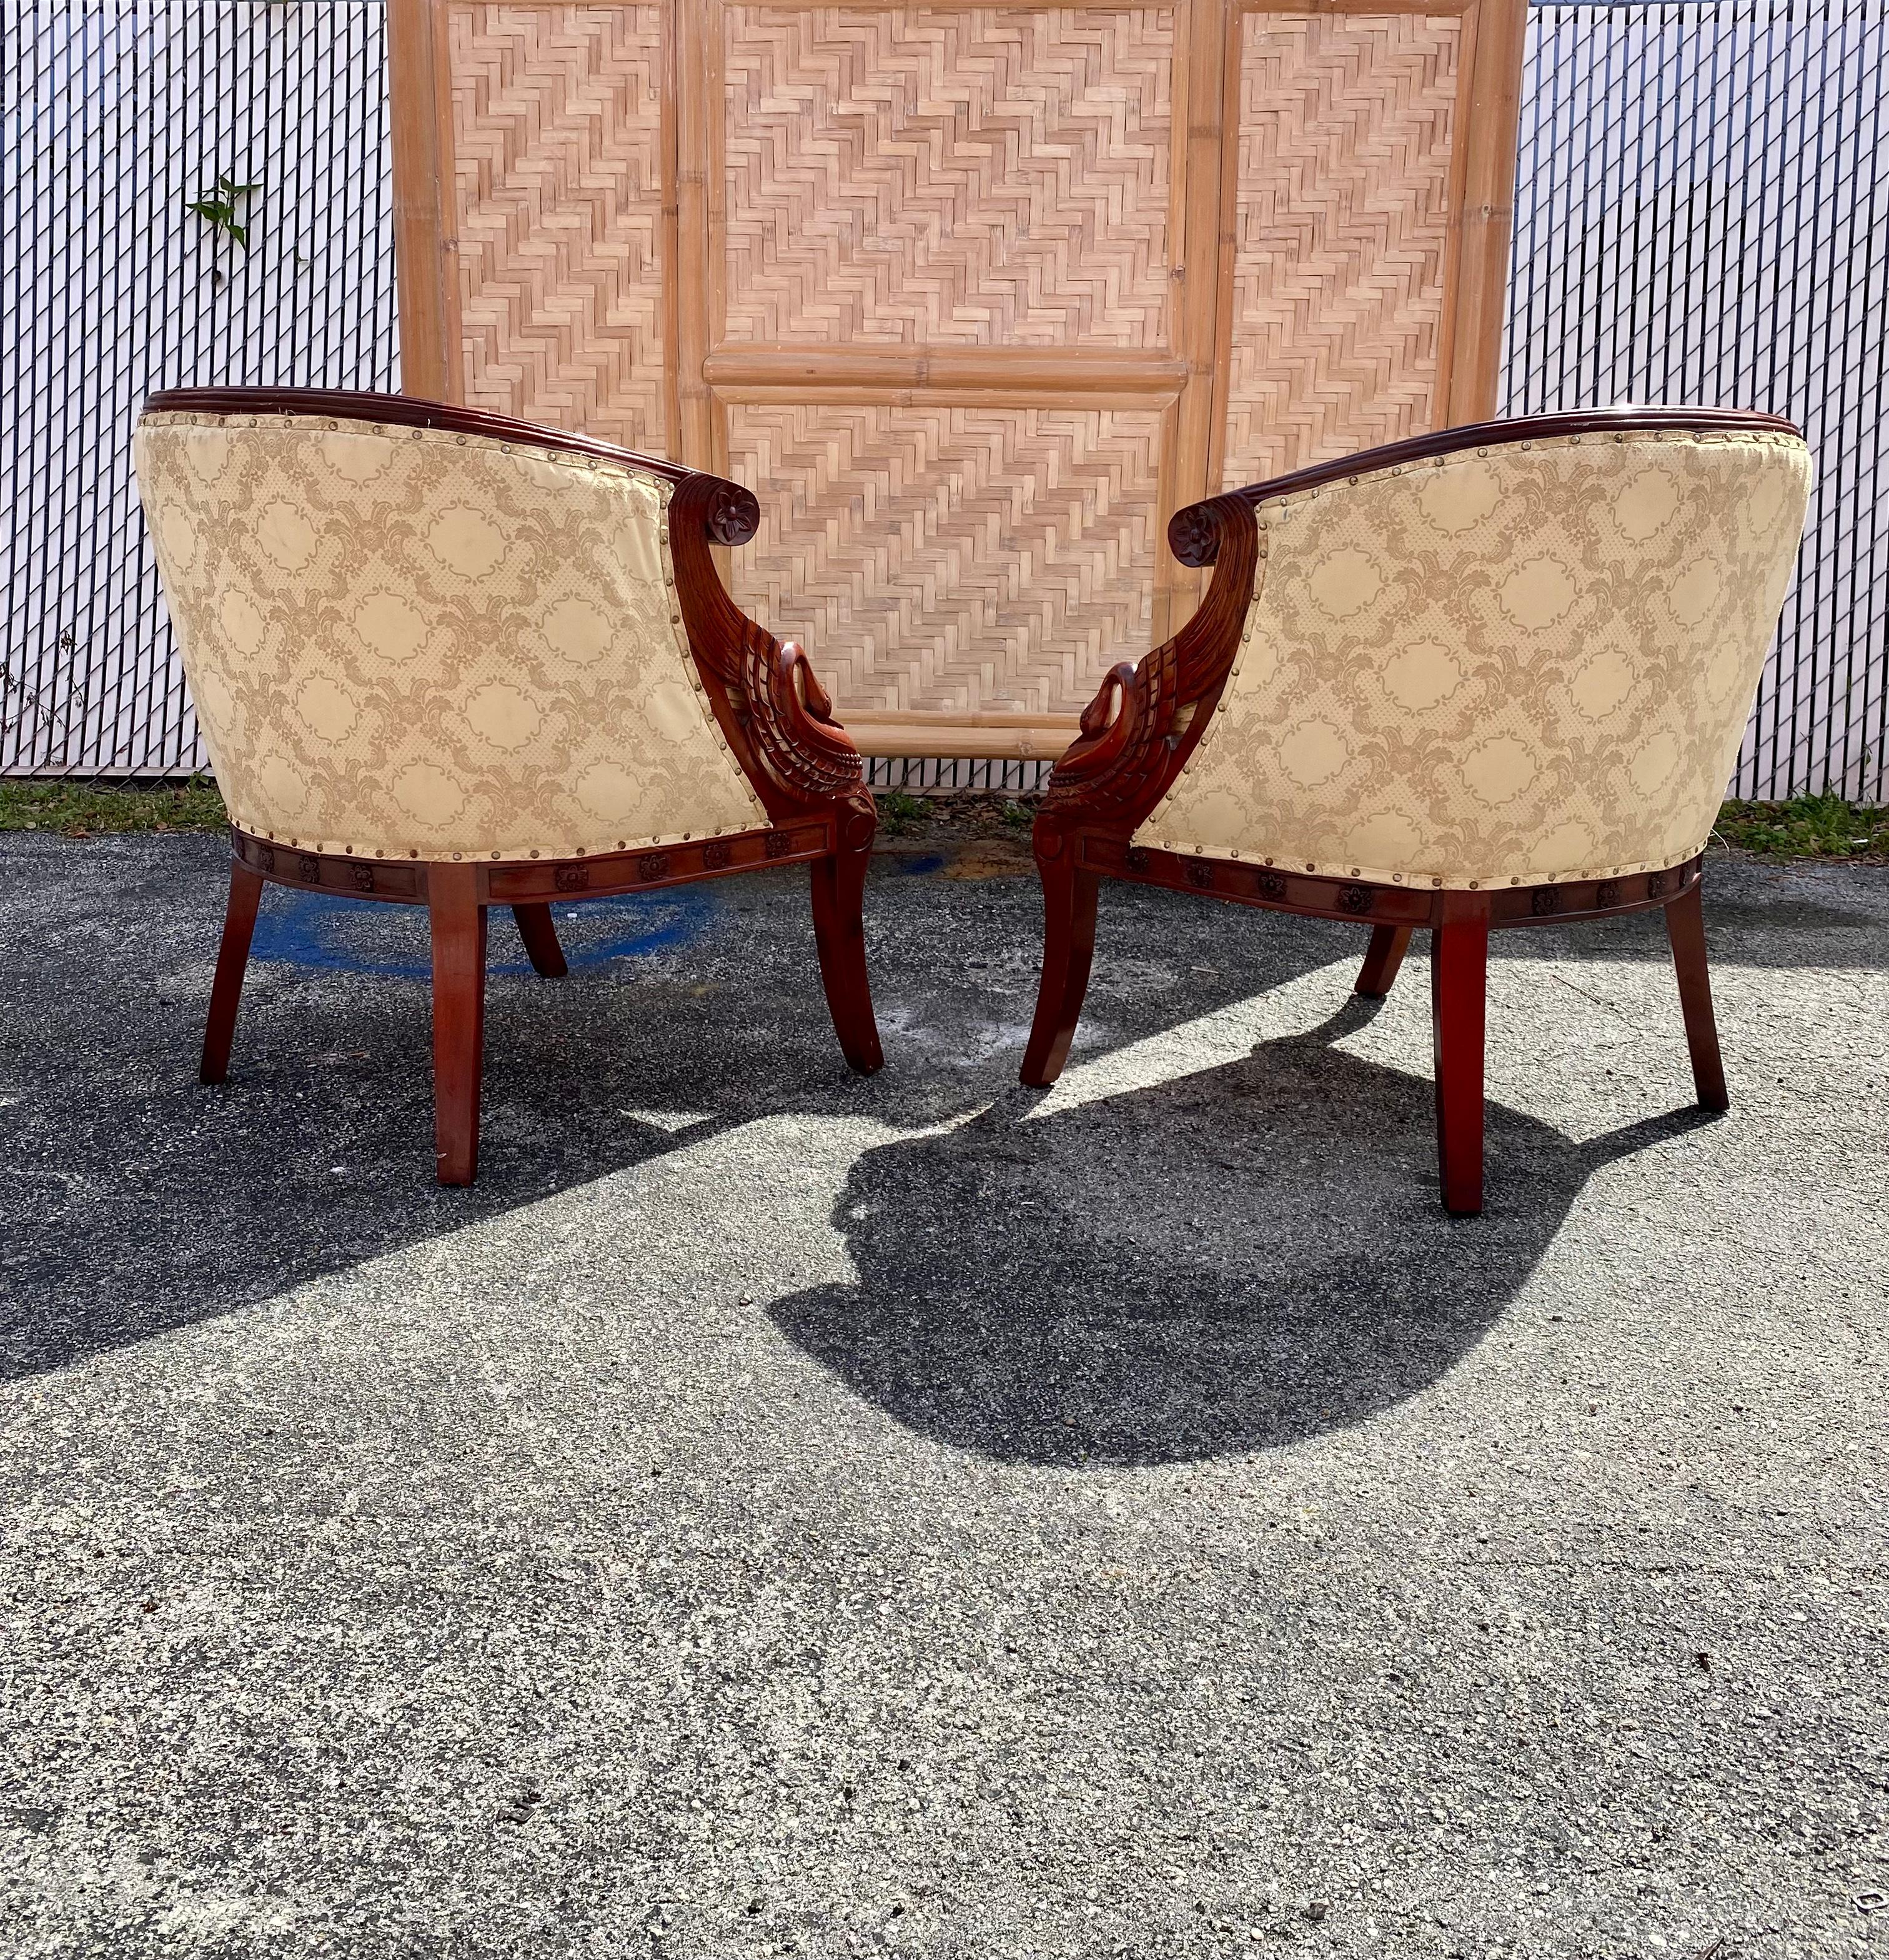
(408, 642)
(1517, 663)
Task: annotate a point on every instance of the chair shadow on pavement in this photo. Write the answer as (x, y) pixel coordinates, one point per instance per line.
(1238, 1259)
(136, 1202)
(1186, 1268)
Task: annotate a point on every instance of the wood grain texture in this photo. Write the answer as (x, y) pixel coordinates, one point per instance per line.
(1459, 1010)
(559, 155)
(539, 933)
(422, 146)
(233, 961)
(948, 561)
(994, 177)
(1483, 221)
(1342, 221)
(459, 933)
(1686, 931)
(1381, 960)
(1201, 104)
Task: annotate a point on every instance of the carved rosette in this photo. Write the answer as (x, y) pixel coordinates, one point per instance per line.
(859, 822)
(1194, 535)
(733, 515)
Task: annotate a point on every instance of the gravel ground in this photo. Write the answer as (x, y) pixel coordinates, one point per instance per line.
(775, 1512)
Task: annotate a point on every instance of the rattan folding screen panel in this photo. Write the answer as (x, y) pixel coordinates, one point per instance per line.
(984, 292)
(1703, 214)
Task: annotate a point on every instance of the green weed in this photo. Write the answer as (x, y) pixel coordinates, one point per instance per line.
(1808, 826)
(90, 810)
(899, 813)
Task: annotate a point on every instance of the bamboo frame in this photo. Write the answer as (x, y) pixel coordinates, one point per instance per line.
(1186, 381)
(425, 219)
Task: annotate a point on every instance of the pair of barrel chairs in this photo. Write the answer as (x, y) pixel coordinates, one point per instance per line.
(1492, 677)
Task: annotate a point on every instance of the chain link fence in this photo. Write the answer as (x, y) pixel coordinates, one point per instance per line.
(193, 192)
(1703, 216)
(199, 193)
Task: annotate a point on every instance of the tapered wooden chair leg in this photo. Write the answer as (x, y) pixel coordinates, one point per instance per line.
(233, 961)
(839, 932)
(458, 1017)
(1381, 960)
(1459, 978)
(1069, 945)
(540, 936)
(1686, 932)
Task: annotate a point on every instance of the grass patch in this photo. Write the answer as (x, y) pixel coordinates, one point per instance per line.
(92, 809)
(899, 812)
(1811, 826)
(1818, 826)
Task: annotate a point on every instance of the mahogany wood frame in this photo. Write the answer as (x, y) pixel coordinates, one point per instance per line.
(1138, 732)
(804, 769)
(1188, 380)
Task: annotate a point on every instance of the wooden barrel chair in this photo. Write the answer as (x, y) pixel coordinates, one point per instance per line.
(1495, 676)
(444, 658)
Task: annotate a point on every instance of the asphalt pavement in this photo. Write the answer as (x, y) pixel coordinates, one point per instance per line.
(777, 1512)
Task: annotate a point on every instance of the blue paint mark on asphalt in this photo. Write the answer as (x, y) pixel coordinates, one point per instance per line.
(316, 930)
(921, 868)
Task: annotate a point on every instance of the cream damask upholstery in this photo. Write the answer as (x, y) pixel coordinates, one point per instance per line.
(406, 642)
(1520, 664)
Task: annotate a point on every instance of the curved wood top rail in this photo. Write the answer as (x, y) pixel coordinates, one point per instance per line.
(1194, 542)
(733, 515)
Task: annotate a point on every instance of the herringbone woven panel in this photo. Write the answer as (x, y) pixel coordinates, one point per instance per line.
(953, 559)
(557, 115)
(1344, 151)
(991, 176)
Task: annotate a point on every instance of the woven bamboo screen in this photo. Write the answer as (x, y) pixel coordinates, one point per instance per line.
(973, 296)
